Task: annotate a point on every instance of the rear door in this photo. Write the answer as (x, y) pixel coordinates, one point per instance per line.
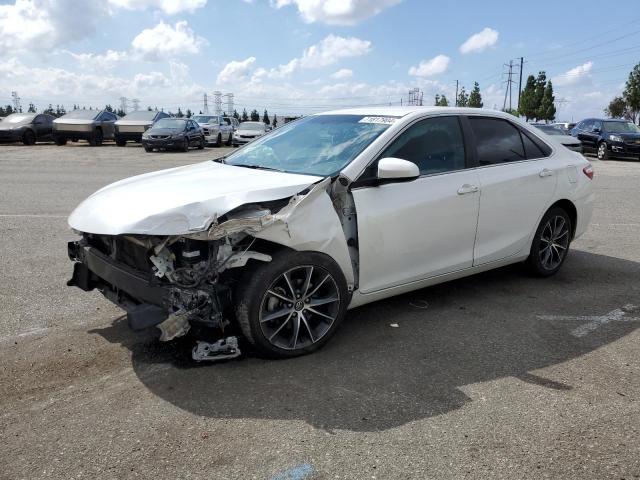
(412, 230)
(517, 182)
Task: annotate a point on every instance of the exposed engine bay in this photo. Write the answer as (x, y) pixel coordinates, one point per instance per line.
(181, 283)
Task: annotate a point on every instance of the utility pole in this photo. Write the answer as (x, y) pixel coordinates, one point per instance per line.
(456, 93)
(16, 102)
(205, 105)
(508, 90)
(217, 103)
(136, 104)
(229, 102)
(123, 104)
(520, 81)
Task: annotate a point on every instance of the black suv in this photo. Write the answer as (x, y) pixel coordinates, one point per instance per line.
(609, 138)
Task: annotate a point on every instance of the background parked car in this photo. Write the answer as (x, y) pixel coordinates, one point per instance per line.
(609, 138)
(27, 128)
(173, 133)
(91, 125)
(248, 131)
(133, 125)
(562, 136)
(216, 129)
(566, 126)
(233, 121)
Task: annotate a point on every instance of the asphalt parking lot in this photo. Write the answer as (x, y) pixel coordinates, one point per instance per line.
(500, 375)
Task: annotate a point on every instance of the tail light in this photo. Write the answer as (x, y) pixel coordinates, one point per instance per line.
(588, 171)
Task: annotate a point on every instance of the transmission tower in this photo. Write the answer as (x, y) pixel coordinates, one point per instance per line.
(16, 102)
(229, 102)
(508, 91)
(415, 97)
(217, 103)
(136, 104)
(123, 104)
(205, 104)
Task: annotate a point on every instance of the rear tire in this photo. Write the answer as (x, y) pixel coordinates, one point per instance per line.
(96, 138)
(60, 141)
(185, 145)
(318, 296)
(29, 138)
(551, 243)
(230, 140)
(121, 142)
(202, 144)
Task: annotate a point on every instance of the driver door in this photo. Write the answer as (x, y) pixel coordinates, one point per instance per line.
(413, 230)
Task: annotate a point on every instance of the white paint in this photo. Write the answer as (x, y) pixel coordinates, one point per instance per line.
(593, 322)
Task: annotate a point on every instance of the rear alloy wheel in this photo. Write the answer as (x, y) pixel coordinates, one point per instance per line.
(603, 152)
(292, 305)
(551, 243)
(29, 138)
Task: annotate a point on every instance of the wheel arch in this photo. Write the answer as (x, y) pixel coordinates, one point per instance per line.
(569, 207)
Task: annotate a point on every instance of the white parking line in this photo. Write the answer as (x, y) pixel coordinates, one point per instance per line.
(26, 215)
(593, 322)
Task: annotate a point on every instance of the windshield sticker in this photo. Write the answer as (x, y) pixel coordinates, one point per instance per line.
(380, 120)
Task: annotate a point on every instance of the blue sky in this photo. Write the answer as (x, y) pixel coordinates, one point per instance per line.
(300, 56)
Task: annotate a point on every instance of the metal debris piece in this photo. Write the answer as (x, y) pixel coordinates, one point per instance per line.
(176, 325)
(223, 349)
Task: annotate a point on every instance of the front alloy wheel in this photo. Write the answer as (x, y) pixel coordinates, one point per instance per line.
(292, 305)
(603, 153)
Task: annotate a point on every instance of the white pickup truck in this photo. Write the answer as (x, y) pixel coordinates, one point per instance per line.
(216, 130)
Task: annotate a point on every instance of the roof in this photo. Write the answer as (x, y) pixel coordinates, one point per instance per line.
(403, 111)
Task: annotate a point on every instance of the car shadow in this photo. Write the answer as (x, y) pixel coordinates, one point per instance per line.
(373, 376)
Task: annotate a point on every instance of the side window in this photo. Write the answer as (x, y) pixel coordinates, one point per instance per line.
(497, 141)
(435, 145)
(597, 124)
(531, 149)
(587, 125)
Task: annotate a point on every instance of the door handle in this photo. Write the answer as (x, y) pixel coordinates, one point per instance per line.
(467, 188)
(545, 172)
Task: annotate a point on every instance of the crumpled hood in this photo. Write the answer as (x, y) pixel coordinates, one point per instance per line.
(180, 200)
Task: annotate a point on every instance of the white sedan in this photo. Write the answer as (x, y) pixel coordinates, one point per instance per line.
(279, 239)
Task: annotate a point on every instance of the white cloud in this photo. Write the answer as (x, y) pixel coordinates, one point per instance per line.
(327, 52)
(236, 71)
(41, 25)
(342, 74)
(100, 61)
(170, 7)
(575, 75)
(428, 68)
(164, 41)
(478, 42)
(336, 12)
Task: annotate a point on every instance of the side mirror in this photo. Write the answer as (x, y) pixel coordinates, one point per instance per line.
(397, 168)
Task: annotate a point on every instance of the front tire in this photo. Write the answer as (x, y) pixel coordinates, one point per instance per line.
(96, 138)
(185, 145)
(292, 305)
(230, 140)
(60, 141)
(219, 140)
(121, 142)
(148, 149)
(202, 144)
(550, 243)
(603, 151)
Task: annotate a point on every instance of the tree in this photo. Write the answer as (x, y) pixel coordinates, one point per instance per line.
(188, 114)
(541, 84)
(274, 122)
(631, 93)
(108, 108)
(463, 98)
(265, 117)
(236, 115)
(547, 111)
(441, 101)
(255, 116)
(475, 98)
(120, 112)
(617, 108)
(527, 106)
(179, 114)
(245, 117)
(32, 108)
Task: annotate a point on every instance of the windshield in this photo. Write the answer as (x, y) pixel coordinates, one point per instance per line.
(82, 114)
(549, 130)
(204, 118)
(170, 123)
(141, 115)
(621, 127)
(252, 126)
(318, 145)
(19, 118)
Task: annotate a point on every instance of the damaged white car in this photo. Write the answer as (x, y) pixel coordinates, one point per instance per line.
(276, 241)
